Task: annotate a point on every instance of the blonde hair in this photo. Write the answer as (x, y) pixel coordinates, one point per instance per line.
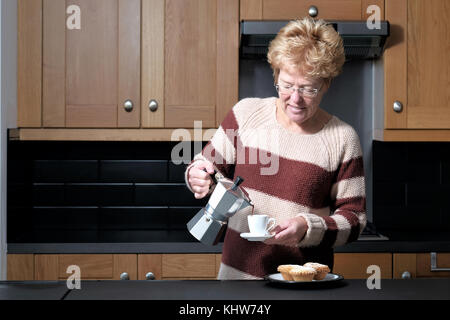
(311, 46)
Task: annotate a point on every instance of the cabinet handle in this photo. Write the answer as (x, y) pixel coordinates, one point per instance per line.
(150, 276)
(313, 11)
(434, 263)
(124, 276)
(398, 106)
(406, 275)
(128, 105)
(153, 105)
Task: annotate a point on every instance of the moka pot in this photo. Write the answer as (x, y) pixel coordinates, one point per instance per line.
(209, 223)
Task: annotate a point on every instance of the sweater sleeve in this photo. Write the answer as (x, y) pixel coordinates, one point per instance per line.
(348, 201)
(221, 149)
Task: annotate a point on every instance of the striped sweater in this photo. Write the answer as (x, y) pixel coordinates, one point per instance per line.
(318, 176)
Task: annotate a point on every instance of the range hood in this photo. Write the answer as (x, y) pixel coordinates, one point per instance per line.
(360, 42)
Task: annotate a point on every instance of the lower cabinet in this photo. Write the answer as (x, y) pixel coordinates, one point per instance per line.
(355, 265)
(421, 265)
(112, 266)
(206, 266)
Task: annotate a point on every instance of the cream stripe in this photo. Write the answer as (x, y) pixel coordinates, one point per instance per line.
(344, 229)
(222, 144)
(229, 273)
(349, 188)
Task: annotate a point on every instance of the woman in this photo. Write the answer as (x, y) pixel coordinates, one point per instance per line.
(317, 193)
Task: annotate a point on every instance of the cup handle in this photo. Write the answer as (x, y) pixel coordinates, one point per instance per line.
(271, 224)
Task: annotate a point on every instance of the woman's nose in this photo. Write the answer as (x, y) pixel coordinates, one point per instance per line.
(296, 97)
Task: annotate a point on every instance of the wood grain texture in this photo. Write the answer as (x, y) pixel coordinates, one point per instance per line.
(414, 135)
(428, 64)
(188, 266)
(46, 267)
(404, 262)
(129, 51)
(251, 10)
(366, 3)
(424, 265)
(395, 65)
(354, 265)
(112, 134)
(190, 60)
(125, 263)
(20, 267)
(149, 263)
(152, 65)
(92, 66)
(54, 64)
(227, 86)
(92, 266)
(327, 9)
(29, 63)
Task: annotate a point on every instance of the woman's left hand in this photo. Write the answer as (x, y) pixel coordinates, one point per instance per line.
(289, 232)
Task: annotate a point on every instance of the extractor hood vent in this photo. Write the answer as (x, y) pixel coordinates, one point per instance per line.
(360, 42)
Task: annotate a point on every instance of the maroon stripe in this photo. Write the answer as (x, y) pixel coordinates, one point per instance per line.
(229, 122)
(259, 259)
(299, 182)
(329, 238)
(351, 169)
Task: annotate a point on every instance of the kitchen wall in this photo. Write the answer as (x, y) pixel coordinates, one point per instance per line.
(8, 101)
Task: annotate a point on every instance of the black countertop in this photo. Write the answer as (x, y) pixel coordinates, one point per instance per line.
(413, 289)
(398, 242)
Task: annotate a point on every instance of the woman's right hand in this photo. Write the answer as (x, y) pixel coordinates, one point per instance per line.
(199, 178)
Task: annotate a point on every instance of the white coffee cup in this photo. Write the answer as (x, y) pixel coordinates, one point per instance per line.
(260, 224)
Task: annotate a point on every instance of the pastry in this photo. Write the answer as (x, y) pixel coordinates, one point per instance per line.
(321, 269)
(284, 270)
(302, 273)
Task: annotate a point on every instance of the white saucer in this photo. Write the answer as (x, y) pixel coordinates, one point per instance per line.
(256, 237)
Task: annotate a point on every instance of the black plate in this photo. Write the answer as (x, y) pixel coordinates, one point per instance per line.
(331, 279)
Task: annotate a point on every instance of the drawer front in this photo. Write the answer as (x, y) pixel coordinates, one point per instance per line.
(424, 267)
(92, 266)
(189, 266)
(354, 265)
(327, 9)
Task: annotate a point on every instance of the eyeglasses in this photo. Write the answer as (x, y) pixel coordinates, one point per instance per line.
(307, 91)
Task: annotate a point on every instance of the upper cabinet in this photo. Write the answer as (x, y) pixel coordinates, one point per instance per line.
(320, 9)
(417, 71)
(126, 63)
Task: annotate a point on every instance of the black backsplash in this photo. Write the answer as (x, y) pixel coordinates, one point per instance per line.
(78, 192)
(411, 186)
(81, 192)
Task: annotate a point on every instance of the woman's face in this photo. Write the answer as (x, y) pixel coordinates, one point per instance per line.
(298, 107)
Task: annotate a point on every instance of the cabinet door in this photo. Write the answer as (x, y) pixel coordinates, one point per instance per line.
(295, 9)
(354, 265)
(417, 65)
(92, 68)
(189, 266)
(201, 61)
(20, 267)
(149, 263)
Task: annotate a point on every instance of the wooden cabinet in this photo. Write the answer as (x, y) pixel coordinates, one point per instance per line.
(354, 265)
(294, 9)
(113, 266)
(422, 265)
(416, 71)
(125, 57)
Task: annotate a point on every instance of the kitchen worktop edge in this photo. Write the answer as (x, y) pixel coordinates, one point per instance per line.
(187, 247)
